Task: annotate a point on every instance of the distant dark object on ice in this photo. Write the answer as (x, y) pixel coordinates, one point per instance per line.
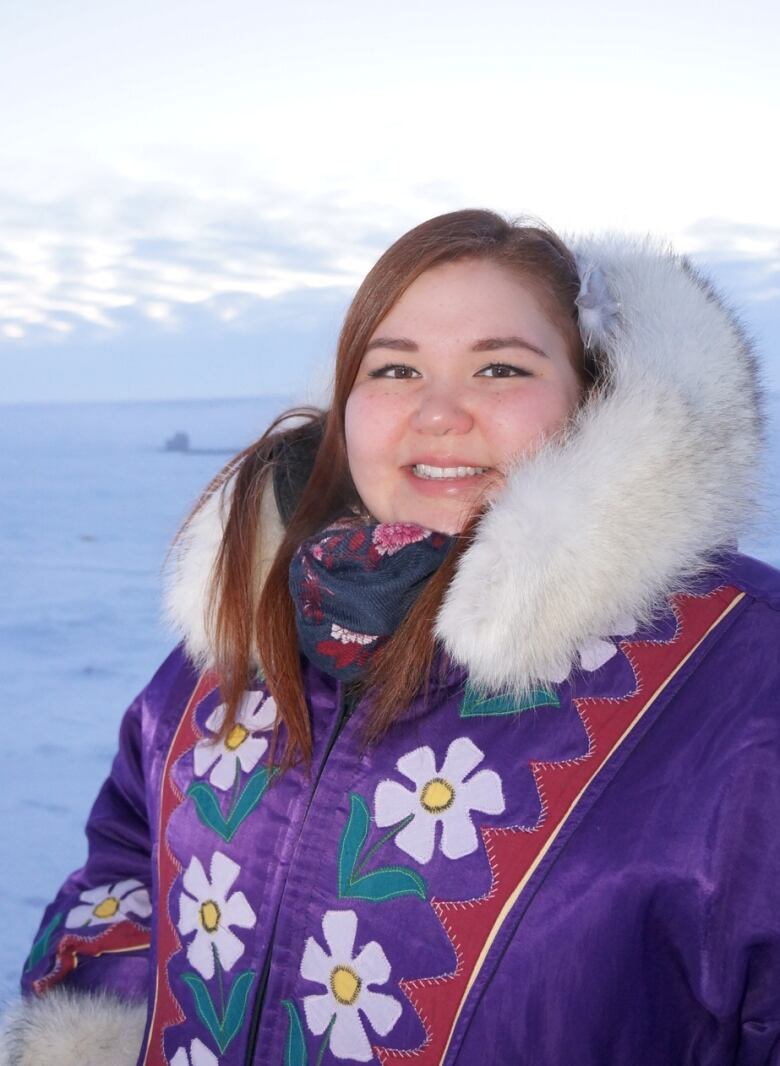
(180, 442)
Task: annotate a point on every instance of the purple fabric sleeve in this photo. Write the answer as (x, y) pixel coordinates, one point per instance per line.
(116, 878)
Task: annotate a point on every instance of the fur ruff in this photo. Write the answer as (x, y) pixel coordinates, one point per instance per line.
(655, 476)
(66, 1028)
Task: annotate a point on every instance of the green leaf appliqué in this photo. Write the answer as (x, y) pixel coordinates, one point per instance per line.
(223, 1029)
(475, 705)
(388, 882)
(209, 810)
(41, 945)
(295, 1053)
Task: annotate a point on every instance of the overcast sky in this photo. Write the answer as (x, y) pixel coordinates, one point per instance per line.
(189, 192)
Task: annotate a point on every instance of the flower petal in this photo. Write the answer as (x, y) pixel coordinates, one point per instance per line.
(316, 965)
(250, 752)
(319, 1010)
(216, 718)
(417, 838)
(200, 954)
(206, 754)
(223, 873)
(371, 965)
(79, 916)
(121, 888)
(180, 1058)
(262, 717)
(463, 756)
(223, 776)
(137, 903)
(348, 1038)
(229, 947)
(195, 881)
(95, 895)
(418, 765)
(340, 928)
(483, 792)
(459, 837)
(594, 653)
(382, 1011)
(188, 914)
(392, 802)
(200, 1054)
(238, 912)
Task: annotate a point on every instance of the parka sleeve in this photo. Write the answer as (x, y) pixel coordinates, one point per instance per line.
(95, 935)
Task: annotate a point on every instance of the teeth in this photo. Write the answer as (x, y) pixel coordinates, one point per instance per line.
(421, 470)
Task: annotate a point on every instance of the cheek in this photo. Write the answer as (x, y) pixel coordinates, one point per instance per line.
(368, 428)
(527, 418)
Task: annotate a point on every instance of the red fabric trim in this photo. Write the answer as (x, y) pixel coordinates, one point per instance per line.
(166, 1009)
(121, 936)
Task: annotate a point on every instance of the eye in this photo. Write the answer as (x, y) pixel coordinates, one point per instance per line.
(503, 370)
(394, 370)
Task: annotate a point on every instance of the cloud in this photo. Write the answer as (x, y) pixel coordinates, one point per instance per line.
(99, 260)
(139, 271)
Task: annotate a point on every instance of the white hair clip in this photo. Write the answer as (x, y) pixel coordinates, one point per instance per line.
(597, 311)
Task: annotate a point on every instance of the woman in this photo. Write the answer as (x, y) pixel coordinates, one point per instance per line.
(505, 786)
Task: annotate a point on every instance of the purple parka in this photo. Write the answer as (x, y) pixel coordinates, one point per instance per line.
(568, 854)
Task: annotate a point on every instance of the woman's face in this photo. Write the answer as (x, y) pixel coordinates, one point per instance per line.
(465, 374)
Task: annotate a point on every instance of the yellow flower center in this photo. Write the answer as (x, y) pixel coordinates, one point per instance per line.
(107, 908)
(236, 737)
(437, 795)
(345, 985)
(209, 915)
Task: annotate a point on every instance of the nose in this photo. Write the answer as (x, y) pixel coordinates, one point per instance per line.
(441, 410)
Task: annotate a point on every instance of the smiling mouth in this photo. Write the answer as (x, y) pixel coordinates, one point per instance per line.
(422, 470)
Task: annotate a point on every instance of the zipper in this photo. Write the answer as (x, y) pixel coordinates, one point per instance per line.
(348, 701)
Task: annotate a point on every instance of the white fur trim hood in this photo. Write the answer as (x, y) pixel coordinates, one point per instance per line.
(656, 474)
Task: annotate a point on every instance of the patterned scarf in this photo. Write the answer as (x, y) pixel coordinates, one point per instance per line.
(353, 583)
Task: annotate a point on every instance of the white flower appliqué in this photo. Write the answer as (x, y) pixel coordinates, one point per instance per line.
(593, 653)
(446, 796)
(110, 903)
(347, 978)
(199, 1055)
(206, 909)
(241, 747)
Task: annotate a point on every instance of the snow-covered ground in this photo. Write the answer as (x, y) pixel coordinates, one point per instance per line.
(88, 504)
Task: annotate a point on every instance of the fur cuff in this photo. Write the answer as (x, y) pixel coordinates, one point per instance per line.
(73, 1029)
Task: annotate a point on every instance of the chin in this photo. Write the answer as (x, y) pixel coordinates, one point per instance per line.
(448, 522)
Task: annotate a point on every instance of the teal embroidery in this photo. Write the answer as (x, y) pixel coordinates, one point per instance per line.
(325, 1042)
(225, 1025)
(41, 945)
(475, 705)
(295, 1053)
(242, 803)
(387, 882)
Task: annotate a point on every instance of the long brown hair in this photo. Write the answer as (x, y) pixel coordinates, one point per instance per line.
(249, 628)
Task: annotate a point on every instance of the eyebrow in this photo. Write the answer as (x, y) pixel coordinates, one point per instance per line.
(487, 344)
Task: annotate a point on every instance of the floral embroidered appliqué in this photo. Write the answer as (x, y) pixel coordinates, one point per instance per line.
(349, 998)
(207, 909)
(110, 903)
(389, 537)
(242, 748)
(446, 796)
(198, 1055)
